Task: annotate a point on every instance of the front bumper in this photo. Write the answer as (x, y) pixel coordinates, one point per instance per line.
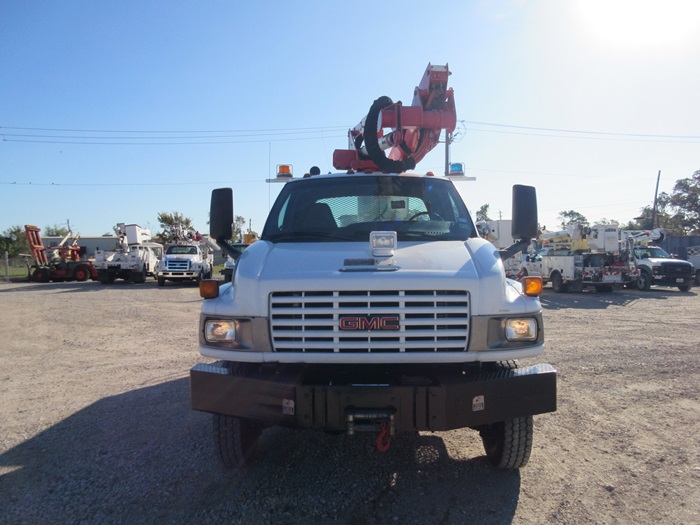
(179, 275)
(416, 398)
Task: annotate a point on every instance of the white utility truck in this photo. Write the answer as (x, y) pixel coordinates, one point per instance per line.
(188, 257)
(134, 257)
(656, 266)
(371, 304)
(579, 257)
(694, 259)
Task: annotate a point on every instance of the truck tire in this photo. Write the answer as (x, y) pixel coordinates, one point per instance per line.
(236, 440)
(161, 281)
(138, 277)
(558, 283)
(81, 273)
(508, 443)
(644, 281)
(684, 288)
(40, 275)
(697, 277)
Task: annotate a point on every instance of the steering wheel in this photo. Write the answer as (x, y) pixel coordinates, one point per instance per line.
(416, 215)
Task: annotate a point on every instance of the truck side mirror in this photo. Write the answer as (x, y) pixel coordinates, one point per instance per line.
(221, 214)
(524, 224)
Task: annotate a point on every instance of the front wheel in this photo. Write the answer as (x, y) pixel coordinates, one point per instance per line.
(236, 439)
(508, 443)
(161, 281)
(685, 288)
(644, 281)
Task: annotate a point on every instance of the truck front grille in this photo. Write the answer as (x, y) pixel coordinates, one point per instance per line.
(676, 270)
(372, 321)
(177, 266)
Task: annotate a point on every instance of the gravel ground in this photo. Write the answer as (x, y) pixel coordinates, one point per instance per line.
(95, 424)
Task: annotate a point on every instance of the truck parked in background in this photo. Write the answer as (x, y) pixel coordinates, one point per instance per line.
(498, 233)
(57, 263)
(134, 257)
(371, 304)
(694, 259)
(580, 257)
(188, 257)
(656, 266)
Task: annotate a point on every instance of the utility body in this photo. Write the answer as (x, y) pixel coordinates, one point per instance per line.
(580, 257)
(371, 304)
(134, 258)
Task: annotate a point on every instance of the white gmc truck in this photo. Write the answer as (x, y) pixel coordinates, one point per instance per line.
(370, 303)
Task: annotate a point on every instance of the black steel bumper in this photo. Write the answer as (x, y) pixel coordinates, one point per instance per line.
(441, 399)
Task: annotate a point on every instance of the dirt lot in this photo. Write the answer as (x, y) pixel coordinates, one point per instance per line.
(95, 425)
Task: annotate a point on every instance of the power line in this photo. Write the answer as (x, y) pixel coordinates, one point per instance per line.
(559, 130)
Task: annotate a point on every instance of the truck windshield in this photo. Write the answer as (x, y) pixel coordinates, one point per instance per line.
(181, 250)
(651, 252)
(349, 207)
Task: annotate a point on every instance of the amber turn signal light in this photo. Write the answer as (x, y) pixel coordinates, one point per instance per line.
(532, 285)
(209, 288)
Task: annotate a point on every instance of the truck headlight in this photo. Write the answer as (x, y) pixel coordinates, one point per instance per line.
(518, 329)
(220, 331)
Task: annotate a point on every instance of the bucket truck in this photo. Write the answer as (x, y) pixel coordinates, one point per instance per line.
(188, 257)
(134, 257)
(371, 304)
(579, 257)
(656, 266)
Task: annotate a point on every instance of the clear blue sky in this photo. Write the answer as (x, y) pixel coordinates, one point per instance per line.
(113, 111)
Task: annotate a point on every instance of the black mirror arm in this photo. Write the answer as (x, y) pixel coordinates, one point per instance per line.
(510, 251)
(229, 249)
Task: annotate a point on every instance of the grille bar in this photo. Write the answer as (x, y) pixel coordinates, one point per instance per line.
(177, 266)
(429, 321)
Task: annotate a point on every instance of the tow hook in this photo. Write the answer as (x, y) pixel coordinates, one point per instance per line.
(381, 421)
(383, 438)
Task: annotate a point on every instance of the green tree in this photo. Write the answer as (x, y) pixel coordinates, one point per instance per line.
(13, 241)
(482, 213)
(571, 217)
(238, 225)
(55, 231)
(678, 212)
(167, 222)
(683, 205)
(607, 221)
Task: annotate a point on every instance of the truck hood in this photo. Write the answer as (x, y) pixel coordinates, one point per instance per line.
(264, 268)
(660, 262)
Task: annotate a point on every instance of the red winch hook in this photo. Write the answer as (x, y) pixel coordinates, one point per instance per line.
(383, 438)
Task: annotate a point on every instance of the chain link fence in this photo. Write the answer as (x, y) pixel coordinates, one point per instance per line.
(15, 268)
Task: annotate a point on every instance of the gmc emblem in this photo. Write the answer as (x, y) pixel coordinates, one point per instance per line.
(369, 322)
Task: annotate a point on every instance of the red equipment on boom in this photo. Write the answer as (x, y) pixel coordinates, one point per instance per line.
(416, 128)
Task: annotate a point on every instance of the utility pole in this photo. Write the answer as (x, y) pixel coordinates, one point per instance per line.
(448, 141)
(656, 193)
